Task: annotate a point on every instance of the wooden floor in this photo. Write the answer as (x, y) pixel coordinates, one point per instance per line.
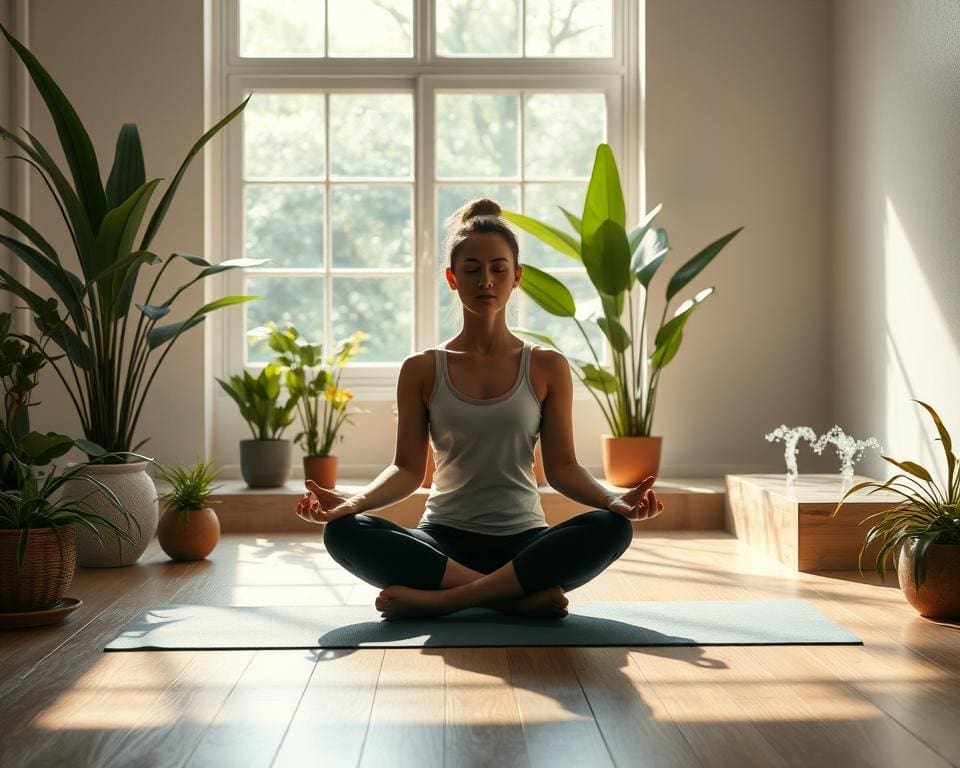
(894, 701)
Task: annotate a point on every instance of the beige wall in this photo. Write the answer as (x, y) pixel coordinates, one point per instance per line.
(738, 133)
(897, 278)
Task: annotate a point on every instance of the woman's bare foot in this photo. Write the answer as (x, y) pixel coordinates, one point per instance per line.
(399, 602)
(548, 603)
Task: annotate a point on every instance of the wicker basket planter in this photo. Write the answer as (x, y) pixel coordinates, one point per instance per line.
(48, 567)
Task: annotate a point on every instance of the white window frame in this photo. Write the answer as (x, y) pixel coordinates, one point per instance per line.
(231, 76)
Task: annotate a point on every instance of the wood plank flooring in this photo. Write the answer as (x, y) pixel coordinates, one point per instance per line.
(895, 701)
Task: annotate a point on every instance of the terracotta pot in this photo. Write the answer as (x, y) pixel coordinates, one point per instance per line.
(321, 469)
(189, 536)
(939, 596)
(47, 569)
(627, 460)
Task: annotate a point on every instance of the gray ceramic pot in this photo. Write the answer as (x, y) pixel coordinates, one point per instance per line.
(265, 463)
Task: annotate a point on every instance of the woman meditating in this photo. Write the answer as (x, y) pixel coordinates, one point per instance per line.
(482, 398)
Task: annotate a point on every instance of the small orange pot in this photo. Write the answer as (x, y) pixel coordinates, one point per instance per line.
(939, 596)
(628, 460)
(321, 469)
(188, 536)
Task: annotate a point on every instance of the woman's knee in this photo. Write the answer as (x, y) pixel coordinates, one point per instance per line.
(339, 534)
(616, 529)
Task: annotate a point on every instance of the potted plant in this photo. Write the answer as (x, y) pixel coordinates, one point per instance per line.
(189, 528)
(264, 459)
(112, 347)
(925, 526)
(321, 401)
(37, 524)
(616, 260)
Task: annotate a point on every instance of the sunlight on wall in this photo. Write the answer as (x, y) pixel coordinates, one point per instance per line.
(919, 348)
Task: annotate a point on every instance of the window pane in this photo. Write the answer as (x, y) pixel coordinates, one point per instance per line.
(371, 226)
(563, 330)
(568, 28)
(371, 134)
(541, 202)
(281, 28)
(381, 306)
(477, 135)
(478, 27)
(296, 300)
(371, 27)
(561, 132)
(283, 136)
(284, 223)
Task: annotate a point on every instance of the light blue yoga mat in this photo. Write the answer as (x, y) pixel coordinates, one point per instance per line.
(748, 622)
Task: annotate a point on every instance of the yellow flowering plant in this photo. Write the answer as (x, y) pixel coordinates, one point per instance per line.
(315, 382)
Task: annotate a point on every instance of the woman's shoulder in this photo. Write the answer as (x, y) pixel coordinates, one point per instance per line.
(419, 370)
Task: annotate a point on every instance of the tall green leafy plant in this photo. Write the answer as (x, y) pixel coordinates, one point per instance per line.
(928, 512)
(315, 381)
(616, 260)
(112, 353)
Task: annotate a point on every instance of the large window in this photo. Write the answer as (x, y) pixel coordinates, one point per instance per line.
(371, 121)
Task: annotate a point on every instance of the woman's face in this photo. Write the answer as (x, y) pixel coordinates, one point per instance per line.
(484, 274)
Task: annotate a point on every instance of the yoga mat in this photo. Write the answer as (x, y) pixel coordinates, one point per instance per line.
(748, 622)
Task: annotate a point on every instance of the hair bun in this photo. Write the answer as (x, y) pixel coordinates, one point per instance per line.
(482, 206)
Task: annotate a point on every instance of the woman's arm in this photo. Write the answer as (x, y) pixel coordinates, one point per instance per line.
(405, 475)
(560, 464)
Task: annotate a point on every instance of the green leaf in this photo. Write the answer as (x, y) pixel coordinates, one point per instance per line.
(161, 334)
(76, 144)
(547, 292)
(154, 313)
(575, 221)
(128, 173)
(681, 316)
(637, 234)
(911, 468)
(604, 199)
(599, 378)
(665, 352)
(35, 237)
(538, 336)
(607, 258)
(120, 226)
(616, 334)
(693, 267)
(944, 440)
(68, 287)
(167, 198)
(559, 241)
(42, 449)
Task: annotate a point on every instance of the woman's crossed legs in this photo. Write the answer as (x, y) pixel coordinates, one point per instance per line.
(437, 569)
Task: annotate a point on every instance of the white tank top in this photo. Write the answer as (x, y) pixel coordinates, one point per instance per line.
(483, 453)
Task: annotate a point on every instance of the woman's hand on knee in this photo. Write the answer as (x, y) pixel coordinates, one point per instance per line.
(640, 503)
(323, 505)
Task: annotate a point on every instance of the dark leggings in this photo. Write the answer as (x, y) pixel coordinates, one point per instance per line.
(569, 554)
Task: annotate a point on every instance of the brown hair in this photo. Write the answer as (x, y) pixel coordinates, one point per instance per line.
(479, 215)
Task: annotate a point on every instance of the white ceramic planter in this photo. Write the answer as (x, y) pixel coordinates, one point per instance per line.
(138, 495)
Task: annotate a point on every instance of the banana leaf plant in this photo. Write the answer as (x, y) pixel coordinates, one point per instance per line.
(616, 260)
(112, 353)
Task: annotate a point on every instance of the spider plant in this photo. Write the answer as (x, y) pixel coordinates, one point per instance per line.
(35, 504)
(190, 487)
(928, 511)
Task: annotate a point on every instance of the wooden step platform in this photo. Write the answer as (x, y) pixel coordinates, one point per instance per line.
(792, 523)
(689, 505)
